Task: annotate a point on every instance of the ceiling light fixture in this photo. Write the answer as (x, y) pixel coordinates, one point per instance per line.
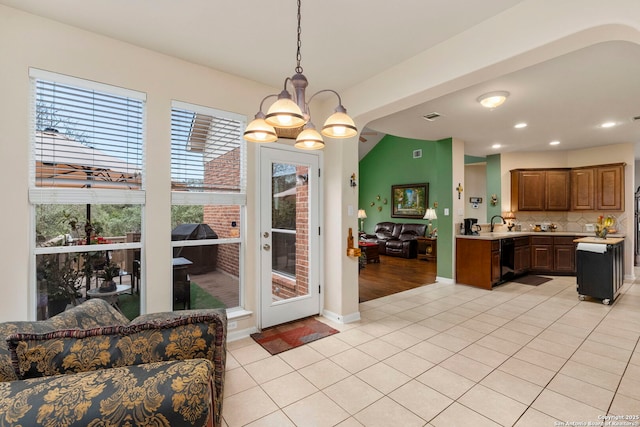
(493, 99)
(608, 124)
(496, 146)
(520, 125)
(554, 143)
(293, 111)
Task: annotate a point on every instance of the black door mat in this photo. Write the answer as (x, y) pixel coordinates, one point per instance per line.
(532, 280)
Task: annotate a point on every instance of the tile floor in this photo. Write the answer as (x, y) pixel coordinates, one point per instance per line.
(452, 355)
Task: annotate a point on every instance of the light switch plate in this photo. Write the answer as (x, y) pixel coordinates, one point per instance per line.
(446, 211)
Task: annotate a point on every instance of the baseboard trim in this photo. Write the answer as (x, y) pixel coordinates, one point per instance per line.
(238, 335)
(334, 317)
(446, 280)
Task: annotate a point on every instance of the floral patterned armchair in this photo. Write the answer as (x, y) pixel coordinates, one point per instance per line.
(89, 366)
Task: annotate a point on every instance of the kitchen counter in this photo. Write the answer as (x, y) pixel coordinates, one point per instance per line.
(506, 234)
(608, 241)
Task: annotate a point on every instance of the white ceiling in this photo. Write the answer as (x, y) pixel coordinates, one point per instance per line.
(564, 99)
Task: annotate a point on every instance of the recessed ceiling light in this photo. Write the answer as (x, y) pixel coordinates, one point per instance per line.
(520, 125)
(554, 143)
(493, 99)
(496, 146)
(608, 124)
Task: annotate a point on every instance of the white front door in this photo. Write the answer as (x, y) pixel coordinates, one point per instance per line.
(289, 235)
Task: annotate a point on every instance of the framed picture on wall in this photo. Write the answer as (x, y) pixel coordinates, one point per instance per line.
(409, 200)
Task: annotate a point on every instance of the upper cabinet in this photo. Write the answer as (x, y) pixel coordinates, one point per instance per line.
(540, 189)
(599, 187)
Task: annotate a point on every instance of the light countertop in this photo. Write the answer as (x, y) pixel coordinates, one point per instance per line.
(506, 234)
(608, 241)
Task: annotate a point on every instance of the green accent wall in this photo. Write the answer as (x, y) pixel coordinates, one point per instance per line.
(391, 162)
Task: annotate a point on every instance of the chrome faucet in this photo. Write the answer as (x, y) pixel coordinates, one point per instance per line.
(494, 217)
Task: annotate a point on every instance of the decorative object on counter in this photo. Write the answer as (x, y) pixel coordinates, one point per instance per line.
(553, 227)
(494, 199)
(509, 217)
(430, 214)
(602, 226)
(361, 216)
(409, 200)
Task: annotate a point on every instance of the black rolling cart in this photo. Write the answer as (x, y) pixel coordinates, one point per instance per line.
(600, 268)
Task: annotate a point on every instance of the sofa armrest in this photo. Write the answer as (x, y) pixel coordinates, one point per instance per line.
(162, 393)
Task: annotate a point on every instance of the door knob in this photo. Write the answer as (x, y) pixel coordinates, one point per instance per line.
(265, 234)
(266, 247)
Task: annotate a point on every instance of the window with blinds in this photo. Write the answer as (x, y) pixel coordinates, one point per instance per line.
(86, 137)
(206, 150)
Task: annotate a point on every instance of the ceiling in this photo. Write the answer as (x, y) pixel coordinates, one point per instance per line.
(563, 99)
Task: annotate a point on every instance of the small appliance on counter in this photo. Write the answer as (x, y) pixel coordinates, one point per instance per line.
(471, 227)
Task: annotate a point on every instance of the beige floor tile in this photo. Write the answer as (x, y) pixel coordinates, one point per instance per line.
(401, 339)
(458, 415)
(237, 380)
(484, 355)
(627, 343)
(446, 382)
(231, 362)
(541, 359)
(275, 419)
(491, 319)
(521, 390)
(563, 351)
(243, 342)
(536, 320)
(409, 364)
(498, 344)
(288, 389)
(301, 356)
(383, 377)
(574, 331)
(461, 331)
(353, 360)
(629, 388)
(561, 338)
(606, 350)
(421, 400)
(635, 358)
(623, 405)
(354, 337)
(479, 326)
(468, 368)
(419, 331)
(250, 353)
(597, 361)
(394, 322)
(581, 391)
(565, 408)
(436, 324)
(329, 346)
(324, 373)
(375, 329)
(267, 369)
(385, 412)
(449, 342)
(237, 412)
(533, 418)
(350, 422)
(379, 349)
(316, 410)
(430, 352)
(493, 405)
(412, 315)
(352, 394)
(511, 335)
(527, 371)
(591, 375)
(632, 372)
(450, 317)
(525, 328)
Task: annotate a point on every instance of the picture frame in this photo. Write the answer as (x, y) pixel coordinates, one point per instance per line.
(409, 200)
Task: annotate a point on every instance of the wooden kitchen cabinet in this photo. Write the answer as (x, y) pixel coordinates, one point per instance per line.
(496, 266)
(564, 255)
(583, 189)
(610, 187)
(553, 255)
(541, 253)
(476, 262)
(540, 189)
(522, 255)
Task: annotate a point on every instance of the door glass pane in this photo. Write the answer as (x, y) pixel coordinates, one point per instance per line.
(289, 229)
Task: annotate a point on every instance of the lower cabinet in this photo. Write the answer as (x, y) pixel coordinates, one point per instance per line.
(553, 255)
(522, 255)
(496, 267)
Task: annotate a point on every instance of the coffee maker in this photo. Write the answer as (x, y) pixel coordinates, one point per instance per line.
(469, 224)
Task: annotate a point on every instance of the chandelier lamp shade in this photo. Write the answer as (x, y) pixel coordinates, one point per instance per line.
(291, 111)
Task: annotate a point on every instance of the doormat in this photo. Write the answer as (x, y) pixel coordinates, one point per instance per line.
(532, 280)
(293, 334)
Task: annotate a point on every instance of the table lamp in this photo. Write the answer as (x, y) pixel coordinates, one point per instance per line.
(509, 217)
(430, 214)
(362, 215)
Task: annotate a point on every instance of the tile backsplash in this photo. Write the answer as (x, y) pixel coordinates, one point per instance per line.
(567, 221)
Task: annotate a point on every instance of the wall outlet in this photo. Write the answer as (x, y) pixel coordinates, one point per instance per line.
(232, 325)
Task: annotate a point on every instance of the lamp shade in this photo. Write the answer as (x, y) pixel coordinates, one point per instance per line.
(493, 99)
(309, 139)
(260, 131)
(430, 214)
(362, 213)
(339, 125)
(509, 215)
(284, 113)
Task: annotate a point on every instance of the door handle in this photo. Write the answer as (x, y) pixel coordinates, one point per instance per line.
(266, 234)
(266, 247)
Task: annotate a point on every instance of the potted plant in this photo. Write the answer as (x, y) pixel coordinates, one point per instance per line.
(62, 276)
(107, 274)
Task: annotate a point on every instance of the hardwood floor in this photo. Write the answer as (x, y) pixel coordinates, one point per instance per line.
(394, 274)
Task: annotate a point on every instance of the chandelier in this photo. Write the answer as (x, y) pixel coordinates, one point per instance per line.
(292, 111)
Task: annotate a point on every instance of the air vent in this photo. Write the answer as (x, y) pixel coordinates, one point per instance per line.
(431, 116)
(417, 154)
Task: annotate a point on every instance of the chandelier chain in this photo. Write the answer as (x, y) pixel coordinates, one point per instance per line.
(298, 54)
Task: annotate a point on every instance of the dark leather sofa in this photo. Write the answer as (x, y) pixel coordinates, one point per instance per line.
(397, 239)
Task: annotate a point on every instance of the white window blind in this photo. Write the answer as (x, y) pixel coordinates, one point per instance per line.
(86, 137)
(207, 151)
